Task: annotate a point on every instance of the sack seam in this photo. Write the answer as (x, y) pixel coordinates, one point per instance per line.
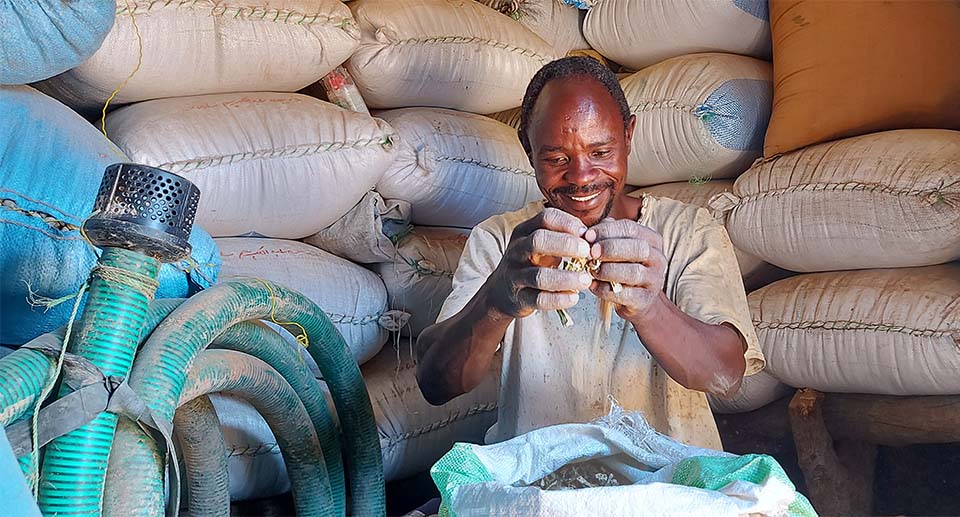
(853, 325)
(852, 186)
(253, 13)
(283, 152)
(485, 165)
(440, 424)
(473, 39)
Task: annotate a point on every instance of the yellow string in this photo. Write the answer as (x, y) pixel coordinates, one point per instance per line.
(103, 113)
(302, 338)
(34, 451)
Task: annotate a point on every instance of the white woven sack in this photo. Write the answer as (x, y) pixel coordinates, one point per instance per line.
(195, 47)
(352, 297)
(456, 168)
(553, 20)
(889, 199)
(639, 33)
(756, 391)
(272, 164)
(420, 277)
(882, 331)
(446, 53)
(698, 116)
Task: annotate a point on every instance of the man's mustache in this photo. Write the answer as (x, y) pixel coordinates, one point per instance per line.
(584, 190)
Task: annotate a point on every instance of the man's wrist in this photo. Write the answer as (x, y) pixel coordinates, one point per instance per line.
(653, 315)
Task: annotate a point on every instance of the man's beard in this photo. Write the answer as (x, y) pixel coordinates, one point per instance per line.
(586, 190)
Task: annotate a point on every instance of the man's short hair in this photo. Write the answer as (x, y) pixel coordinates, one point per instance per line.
(573, 66)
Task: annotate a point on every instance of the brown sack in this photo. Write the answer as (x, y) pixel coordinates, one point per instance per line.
(889, 199)
(846, 68)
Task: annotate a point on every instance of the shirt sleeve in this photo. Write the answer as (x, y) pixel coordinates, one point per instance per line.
(481, 255)
(710, 288)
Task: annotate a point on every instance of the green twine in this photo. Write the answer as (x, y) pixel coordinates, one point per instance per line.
(35, 449)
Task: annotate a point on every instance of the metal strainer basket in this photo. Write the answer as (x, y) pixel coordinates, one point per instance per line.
(144, 209)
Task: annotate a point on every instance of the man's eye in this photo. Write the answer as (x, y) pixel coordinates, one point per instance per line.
(602, 153)
(559, 160)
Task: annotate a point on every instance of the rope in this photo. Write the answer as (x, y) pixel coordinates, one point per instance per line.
(141, 283)
(103, 112)
(34, 448)
(301, 338)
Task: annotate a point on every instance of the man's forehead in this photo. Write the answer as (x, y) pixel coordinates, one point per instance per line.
(573, 98)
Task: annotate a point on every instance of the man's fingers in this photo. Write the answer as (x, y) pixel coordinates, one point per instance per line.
(555, 280)
(547, 301)
(623, 229)
(557, 244)
(627, 250)
(554, 220)
(626, 274)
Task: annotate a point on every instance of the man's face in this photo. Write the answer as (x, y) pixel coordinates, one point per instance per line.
(579, 148)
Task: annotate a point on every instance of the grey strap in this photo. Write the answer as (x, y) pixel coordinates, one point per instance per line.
(93, 393)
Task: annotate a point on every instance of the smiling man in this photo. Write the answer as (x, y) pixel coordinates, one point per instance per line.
(682, 326)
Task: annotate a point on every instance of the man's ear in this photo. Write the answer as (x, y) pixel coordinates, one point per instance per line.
(631, 125)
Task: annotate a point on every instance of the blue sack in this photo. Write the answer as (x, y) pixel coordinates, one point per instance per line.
(51, 165)
(42, 38)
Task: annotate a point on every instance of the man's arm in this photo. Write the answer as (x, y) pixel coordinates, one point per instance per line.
(453, 356)
(699, 356)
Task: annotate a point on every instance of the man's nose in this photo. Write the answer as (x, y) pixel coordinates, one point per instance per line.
(580, 171)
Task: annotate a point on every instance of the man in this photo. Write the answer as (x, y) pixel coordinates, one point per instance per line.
(681, 329)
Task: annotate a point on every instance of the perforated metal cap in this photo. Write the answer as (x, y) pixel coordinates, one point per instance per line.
(144, 209)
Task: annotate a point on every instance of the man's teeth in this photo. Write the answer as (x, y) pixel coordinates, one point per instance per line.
(585, 198)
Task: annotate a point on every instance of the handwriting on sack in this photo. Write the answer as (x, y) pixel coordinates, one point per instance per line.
(272, 252)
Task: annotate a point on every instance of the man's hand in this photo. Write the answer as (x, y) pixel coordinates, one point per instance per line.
(631, 254)
(526, 279)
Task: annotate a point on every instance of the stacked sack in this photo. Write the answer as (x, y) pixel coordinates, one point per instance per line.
(859, 190)
(51, 166)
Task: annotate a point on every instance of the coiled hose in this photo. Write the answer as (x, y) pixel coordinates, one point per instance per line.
(160, 371)
(256, 339)
(261, 386)
(204, 454)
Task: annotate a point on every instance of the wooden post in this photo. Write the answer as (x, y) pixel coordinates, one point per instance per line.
(835, 486)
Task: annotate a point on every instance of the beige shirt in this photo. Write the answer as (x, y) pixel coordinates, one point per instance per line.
(552, 374)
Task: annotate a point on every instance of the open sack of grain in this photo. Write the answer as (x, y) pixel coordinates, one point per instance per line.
(273, 164)
(199, 47)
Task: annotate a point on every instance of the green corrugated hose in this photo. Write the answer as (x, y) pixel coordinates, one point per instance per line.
(260, 341)
(23, 375)
(204, 453)
(261, 386)
(73, 467)
(160, 371)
